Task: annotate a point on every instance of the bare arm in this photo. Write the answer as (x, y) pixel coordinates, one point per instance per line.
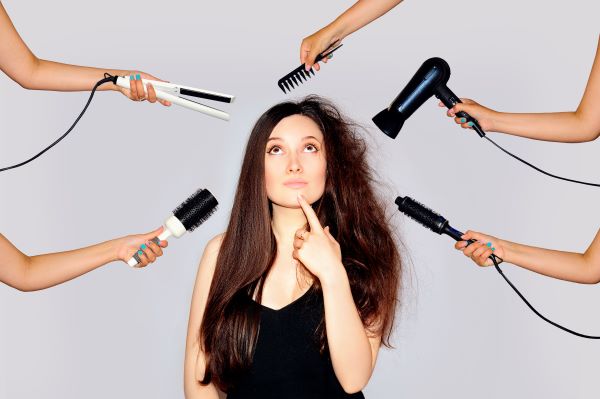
(31, 273)
(195, 361)
(354, 18)
(576, 267)
(570, 127)
(353, 351)
(21, 65)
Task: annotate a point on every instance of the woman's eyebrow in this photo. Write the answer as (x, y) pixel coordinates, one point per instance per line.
(303, 138)
(311, 137)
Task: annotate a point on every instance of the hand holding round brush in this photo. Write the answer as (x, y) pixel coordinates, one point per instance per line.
(482, 248)
(194, 211)
(146, 246)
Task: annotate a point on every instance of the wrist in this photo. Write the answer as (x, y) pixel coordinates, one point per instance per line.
(337, 30)
(334, 277)
(507, 250)
(496, 120)
(116, 249)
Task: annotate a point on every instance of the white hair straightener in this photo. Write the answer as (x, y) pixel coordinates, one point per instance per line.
(164, 91)
(172, 92)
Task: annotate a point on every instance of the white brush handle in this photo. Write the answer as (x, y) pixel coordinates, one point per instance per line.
(124, 83)
(172, 227)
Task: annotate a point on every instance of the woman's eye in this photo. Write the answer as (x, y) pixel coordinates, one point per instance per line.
(274, 150)
(311, 148)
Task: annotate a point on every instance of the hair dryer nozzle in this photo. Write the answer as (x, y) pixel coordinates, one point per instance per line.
(389, 122)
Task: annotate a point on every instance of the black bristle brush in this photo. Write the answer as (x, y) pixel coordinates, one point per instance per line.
(186, 217)
(296, 76)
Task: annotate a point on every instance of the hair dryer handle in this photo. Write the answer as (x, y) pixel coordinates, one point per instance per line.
(449, 99)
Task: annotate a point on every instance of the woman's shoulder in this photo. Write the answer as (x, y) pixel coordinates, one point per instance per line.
(209, 258)
(215, 243)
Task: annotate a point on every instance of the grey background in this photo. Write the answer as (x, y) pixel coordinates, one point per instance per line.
(462, 332)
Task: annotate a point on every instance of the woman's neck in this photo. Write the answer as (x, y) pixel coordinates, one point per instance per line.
(285, 222)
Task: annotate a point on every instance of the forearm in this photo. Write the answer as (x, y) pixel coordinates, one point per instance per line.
(50, 75)
(45, 271)
(360, 14)
(569, 266)
(569, 127)
(349, 345)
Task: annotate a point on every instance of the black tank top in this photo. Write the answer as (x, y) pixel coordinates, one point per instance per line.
(287, 363)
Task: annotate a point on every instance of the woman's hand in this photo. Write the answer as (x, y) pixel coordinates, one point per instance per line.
(147, 250)
(136, 88)
(482, 248)
(318, 251)
(485, 116)
(317, 43)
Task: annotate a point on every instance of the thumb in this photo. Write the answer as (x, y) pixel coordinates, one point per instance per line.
(154, 233)
(474, 235)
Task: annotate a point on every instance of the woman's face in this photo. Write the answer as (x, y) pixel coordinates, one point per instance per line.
(295, 162)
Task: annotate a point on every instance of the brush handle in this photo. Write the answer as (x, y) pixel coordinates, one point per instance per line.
(124, 83)
(456, 234)
(135, 259)
(326, 53)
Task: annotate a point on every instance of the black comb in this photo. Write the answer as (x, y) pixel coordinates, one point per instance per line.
(196, 209)
(296, 76)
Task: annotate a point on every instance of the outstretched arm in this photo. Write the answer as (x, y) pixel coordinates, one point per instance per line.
(577, 126)
(32, 273)
(354, 18)
(21, 65)
(576, 267)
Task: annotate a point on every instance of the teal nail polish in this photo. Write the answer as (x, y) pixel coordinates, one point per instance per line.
(493, 249)
(143, 246)
(140, 253)
(470, 124)
(489, 244)
(463, 120)
(130, 77)
(137, 77)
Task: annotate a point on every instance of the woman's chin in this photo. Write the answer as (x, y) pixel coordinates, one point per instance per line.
(290, 200)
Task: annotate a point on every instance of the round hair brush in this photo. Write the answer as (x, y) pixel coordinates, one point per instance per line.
(186, 217)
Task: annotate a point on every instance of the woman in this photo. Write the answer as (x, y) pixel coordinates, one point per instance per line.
(569, 127)
(282, 306)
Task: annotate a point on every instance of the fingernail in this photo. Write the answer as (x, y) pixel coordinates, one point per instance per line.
(137, 77)
(144, 246)
(130, 77)
(470, 123)
(463, 120)
(493, 249)
(489, 244)
(140, 253)
(306, 67)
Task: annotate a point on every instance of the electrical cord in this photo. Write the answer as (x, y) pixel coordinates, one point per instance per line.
(534, 310)
(482, 134)
(107, 78)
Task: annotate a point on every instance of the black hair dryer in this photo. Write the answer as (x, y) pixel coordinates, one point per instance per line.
(429, 80)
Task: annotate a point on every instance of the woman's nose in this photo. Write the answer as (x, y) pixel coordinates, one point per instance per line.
(294, 165)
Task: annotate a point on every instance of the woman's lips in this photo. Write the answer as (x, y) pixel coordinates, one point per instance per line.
(295, 183)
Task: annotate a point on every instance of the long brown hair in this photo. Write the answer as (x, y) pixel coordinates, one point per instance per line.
(349, 206)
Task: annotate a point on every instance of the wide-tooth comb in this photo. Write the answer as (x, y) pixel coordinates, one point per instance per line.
(296, 76)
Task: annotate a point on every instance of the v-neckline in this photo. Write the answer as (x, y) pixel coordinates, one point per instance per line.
(286, 306)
